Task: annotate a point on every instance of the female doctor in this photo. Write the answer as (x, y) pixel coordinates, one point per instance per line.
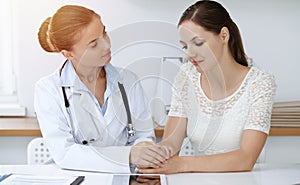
(85, 118)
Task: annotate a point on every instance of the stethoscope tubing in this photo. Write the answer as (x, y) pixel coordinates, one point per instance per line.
(130, 128)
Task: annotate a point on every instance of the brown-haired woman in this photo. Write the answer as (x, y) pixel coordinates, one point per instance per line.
(220, 103)
(80, 108)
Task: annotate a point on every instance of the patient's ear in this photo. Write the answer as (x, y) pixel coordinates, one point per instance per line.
(67, 54)
(224, 34)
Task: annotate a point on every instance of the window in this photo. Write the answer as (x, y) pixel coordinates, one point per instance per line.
(6, 63)
(8, 92)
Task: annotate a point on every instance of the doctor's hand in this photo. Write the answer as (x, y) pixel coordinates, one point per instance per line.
(149, 155)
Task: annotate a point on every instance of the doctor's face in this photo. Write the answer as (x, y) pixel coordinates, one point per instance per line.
(203, 48)
(93, 49)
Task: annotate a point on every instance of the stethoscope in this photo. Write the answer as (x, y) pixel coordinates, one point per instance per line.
(130, 128)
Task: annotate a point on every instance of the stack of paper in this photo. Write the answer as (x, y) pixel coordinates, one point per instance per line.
(286, 114)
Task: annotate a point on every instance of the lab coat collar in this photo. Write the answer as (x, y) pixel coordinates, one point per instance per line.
(112, 77)
(69, 78)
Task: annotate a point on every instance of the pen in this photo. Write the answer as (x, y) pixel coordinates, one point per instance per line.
(4, 176)
(78, 180)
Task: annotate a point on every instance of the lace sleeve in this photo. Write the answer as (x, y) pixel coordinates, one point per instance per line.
(262, 91)
(180, 93)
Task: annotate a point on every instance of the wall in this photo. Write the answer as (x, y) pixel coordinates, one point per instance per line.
(269, 30)
(14, 149)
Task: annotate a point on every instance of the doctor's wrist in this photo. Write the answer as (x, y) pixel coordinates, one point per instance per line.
(133, 169)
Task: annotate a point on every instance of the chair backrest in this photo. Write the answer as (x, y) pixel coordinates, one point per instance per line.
(37, 151)
(186, 148)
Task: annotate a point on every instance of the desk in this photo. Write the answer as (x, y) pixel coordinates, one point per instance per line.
(262, 174)
(52, 170)
(19, 127)
(29, 127)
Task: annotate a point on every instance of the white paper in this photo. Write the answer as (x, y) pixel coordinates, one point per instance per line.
(18, 179)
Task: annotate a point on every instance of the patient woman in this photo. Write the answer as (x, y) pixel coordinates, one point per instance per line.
(220, 102)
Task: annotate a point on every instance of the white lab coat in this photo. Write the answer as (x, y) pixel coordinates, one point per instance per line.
(64, 134)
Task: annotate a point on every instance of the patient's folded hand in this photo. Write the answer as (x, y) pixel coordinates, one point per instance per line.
(149, 155)
(176, 164)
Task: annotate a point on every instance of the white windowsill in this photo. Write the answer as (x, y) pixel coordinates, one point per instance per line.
(12, 109)
(9, 106)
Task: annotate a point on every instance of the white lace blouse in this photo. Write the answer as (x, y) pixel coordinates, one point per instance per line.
(217, 126)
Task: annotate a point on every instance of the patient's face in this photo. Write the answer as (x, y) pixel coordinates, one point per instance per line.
(203, 48)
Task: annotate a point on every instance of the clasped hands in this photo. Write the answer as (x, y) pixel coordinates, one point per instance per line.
(150, 155)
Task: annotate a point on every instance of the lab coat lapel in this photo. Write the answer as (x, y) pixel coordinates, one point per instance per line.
(86, 102)
(115, 120)
(89, 122)
(114, 108)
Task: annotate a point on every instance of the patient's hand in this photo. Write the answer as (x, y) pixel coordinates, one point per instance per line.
(176, 164)
(149, 155)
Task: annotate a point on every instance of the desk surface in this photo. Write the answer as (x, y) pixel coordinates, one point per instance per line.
(19, 127)
(29, 127)
(262, 174)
